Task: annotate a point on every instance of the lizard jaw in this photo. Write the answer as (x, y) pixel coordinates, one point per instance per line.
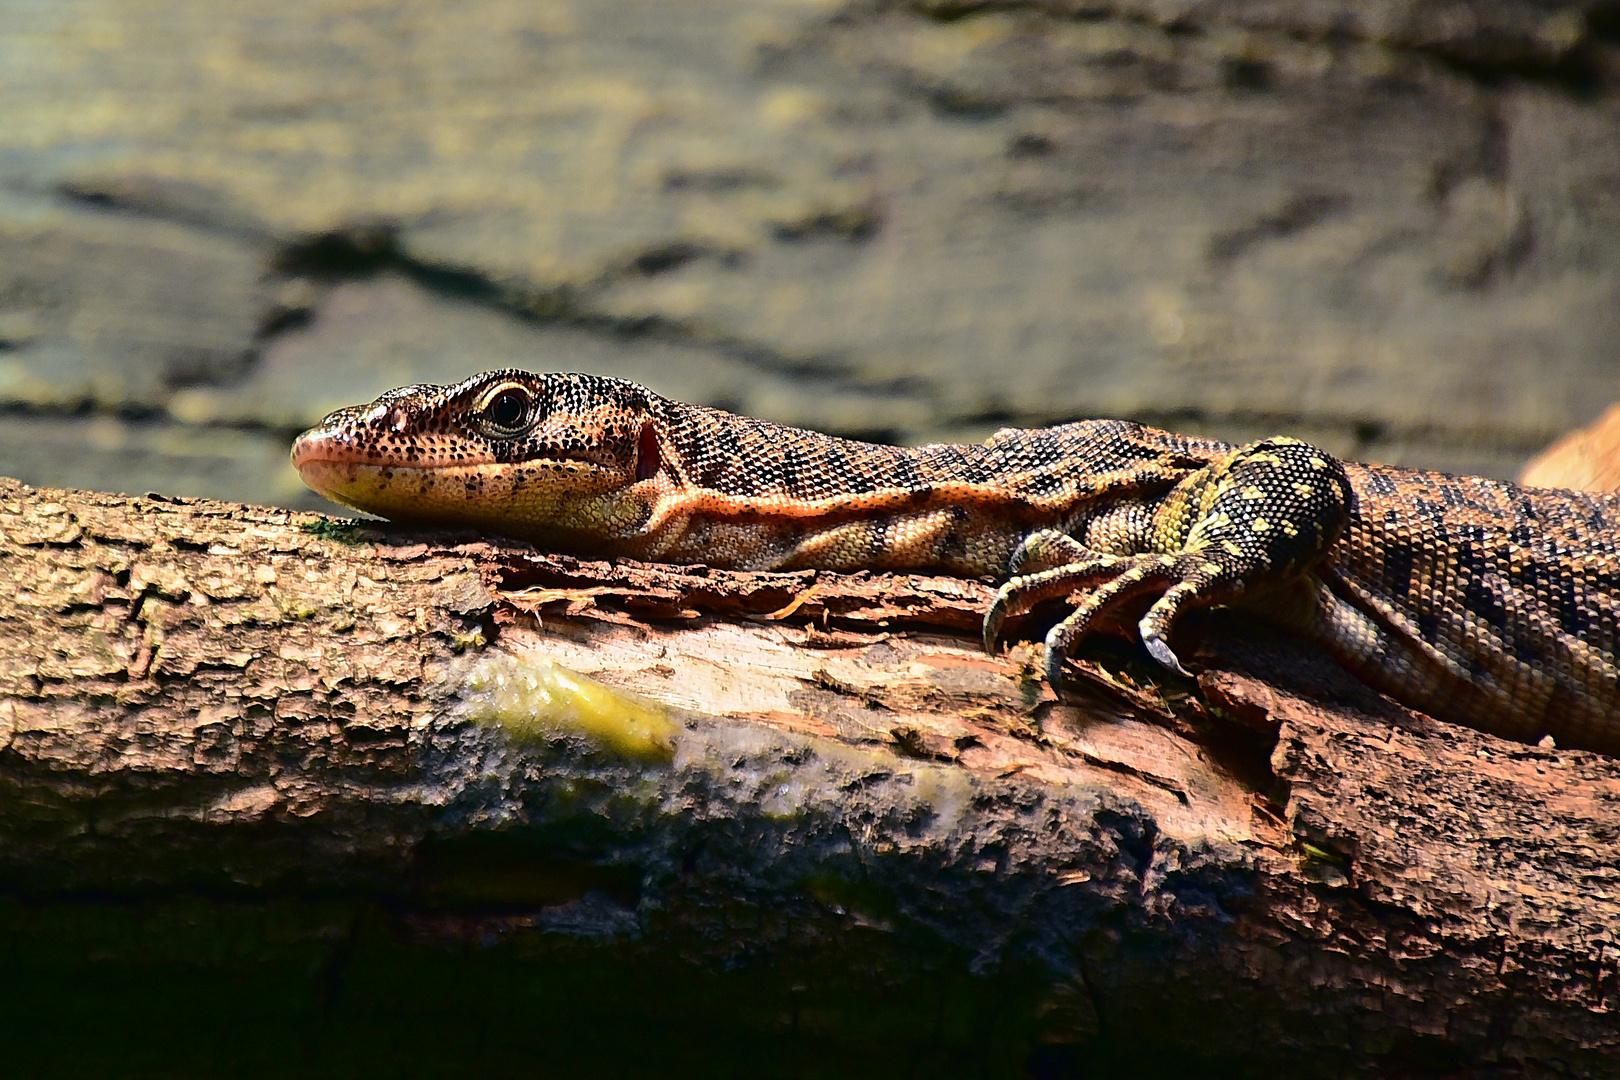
(536, 493)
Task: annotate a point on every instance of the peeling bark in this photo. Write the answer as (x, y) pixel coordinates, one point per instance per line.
(1273, 867)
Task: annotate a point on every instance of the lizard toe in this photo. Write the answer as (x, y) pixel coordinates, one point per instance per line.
(1018, 594)
(1046, 549)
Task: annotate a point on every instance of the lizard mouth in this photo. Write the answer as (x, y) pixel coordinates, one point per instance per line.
(322, 446)
(450, 493)
(432, 487)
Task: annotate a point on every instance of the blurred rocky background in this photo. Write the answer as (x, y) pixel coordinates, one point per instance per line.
(1389, 226)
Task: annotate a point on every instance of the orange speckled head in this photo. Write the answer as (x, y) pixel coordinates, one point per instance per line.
(505, 448)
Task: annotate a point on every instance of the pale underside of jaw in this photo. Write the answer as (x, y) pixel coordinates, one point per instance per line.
(454, 492)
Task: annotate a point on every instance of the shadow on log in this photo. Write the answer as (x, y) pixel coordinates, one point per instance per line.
(795, 818)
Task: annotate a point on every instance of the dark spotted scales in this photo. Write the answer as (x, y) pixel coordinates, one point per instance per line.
(1475, 601)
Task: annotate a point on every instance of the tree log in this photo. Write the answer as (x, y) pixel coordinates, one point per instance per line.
(810, 793)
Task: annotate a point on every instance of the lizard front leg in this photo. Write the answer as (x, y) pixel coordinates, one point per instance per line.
(1259, 519)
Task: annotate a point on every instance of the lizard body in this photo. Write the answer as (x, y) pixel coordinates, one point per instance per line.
(1472, 600)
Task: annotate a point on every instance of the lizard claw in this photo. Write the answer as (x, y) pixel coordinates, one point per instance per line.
(1054, 669)
(1162, 652)
(994, 617)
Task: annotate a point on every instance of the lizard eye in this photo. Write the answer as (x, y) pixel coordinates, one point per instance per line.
(506, 412)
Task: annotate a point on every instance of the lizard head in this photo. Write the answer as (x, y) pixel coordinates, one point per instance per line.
(515, 452)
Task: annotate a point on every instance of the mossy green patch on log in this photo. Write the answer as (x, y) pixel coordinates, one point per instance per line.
(532, 697)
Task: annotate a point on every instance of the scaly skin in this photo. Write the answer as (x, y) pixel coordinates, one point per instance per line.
(1475, 601)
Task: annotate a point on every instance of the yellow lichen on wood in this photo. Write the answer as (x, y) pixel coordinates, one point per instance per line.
(532, 697)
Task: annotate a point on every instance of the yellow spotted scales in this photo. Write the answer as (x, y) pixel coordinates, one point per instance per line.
(1472, 600)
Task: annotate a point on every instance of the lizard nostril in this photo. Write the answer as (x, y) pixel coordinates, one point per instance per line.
(311, 446)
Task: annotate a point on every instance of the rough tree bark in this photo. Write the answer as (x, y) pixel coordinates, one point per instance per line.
(795, 776)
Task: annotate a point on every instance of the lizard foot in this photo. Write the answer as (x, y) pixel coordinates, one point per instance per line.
(1187, 580)
(1258, 519)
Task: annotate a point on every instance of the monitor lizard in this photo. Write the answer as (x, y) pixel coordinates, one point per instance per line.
(1472, 600)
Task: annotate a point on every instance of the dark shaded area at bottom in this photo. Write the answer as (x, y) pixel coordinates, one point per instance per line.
(197, 987)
